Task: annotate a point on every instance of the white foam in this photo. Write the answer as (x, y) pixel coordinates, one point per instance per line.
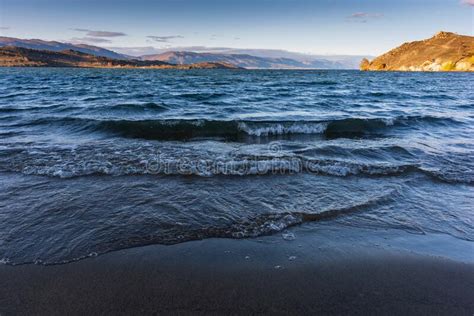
(4, 261)
(389, 121)
(283, 129)
(274, 223)
(231, 166)
(186, 160)
(288, 236)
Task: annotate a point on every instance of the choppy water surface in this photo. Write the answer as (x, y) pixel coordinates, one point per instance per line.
(97, 160)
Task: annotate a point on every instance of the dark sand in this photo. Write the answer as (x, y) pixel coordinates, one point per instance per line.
(325, 270)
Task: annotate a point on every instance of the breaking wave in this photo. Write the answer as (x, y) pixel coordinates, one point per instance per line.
(181, 129)
(260, 225)
(188, 161)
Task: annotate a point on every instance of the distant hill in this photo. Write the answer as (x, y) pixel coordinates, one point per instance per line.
(246, 58)
(343, 61)
(24, 57)
(242, 60)
(443, 52)
(304, 60)
(58, 46)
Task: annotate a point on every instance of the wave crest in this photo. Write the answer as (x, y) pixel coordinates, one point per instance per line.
(235, 130)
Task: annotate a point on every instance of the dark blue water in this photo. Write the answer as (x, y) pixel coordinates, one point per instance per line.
(98, 160)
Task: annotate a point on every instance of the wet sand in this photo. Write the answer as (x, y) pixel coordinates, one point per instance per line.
(326, 270)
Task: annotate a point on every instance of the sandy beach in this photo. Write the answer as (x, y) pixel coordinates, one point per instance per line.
(325, 269)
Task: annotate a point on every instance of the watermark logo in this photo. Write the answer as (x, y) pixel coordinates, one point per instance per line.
(271, 160)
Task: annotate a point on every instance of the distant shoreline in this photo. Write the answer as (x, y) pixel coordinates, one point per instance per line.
(11, 56)
(186, 68)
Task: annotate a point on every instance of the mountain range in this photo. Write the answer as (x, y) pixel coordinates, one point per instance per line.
(245, 58)
(60, 46)
(11, 56)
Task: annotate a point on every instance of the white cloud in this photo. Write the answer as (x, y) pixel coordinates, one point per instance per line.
(364, 17)
(92, 33)
(164, 39)
(85, 40)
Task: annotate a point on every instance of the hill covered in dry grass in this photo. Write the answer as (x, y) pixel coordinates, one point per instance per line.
(443, 52)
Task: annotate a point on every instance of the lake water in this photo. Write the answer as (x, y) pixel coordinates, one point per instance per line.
(98, 160)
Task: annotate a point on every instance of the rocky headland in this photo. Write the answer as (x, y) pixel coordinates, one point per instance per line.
(445, 51)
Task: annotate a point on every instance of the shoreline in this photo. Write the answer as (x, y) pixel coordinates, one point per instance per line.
(329, 268)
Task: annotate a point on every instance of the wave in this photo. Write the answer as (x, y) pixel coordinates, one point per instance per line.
(267, 224)
(201, 96)
(140, 107)
(304, 83)
(186, 129)
(260, 225)
(132, 107)
(78, 162)
(315, 83)
(8, 109)
(13, 95)
(106, 160)
(384, 94)
(172, 129)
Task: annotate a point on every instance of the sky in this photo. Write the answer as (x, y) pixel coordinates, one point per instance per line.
(350, 27)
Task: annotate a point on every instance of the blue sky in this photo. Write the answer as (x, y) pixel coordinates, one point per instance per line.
(308, 26)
